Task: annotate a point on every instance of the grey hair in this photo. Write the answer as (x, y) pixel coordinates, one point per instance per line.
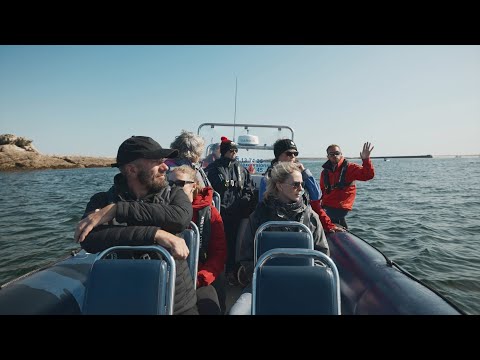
(191, 174)
(279, 174)
(189, 145)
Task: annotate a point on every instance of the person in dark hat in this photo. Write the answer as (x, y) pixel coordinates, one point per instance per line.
(152, 211)
(286, 150)
(232, 181)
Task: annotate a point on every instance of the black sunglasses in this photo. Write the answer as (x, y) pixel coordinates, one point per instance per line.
(291, 153)
(297, 184)
(332, 153)
(180, 183)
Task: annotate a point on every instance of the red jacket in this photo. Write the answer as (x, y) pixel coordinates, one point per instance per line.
(217, 245)
(327, 223)
(344, 198)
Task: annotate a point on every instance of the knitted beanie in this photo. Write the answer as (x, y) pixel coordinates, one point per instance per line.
(226, 145)
(283, 145)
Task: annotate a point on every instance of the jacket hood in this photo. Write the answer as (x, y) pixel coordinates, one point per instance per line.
(204, 198)
(329, 166)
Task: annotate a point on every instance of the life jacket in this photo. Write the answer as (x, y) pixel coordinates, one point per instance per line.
(204, 227)
(224, 176)
(341, 181)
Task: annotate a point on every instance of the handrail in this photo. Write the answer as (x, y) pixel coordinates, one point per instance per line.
(246, 126)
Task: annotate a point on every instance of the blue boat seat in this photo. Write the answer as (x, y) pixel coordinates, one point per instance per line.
(267, 240)
(192, 239)
(216, 199)
(130, 286)
(295, 290)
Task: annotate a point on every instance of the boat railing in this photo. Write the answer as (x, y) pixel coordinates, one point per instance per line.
(247, 127)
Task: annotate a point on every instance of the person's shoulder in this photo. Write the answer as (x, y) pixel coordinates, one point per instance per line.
(99, 195)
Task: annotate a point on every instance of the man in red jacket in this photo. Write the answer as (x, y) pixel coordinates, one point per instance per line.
(337, 181)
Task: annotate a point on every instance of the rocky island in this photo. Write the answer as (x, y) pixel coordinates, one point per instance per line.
(18, 153)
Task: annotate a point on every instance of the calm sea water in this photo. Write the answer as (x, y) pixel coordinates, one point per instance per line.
(421, 213)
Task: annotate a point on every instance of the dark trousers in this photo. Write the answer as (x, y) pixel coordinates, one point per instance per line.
(207, 301)
(220, 284)
(337, 215)
(230, 224)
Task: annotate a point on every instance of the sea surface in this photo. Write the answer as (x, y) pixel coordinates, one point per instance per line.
(422, 213)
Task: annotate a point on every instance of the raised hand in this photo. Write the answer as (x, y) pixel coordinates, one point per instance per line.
(365, 154)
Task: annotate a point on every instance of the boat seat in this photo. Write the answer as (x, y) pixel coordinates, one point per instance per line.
(295, 290)
(131, 286)
(267, 240)
(192, 239)
(216, 199)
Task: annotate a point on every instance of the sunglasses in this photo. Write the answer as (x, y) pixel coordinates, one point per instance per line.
(297, 184)
(332, 153)
(291, 153)
(180, 183)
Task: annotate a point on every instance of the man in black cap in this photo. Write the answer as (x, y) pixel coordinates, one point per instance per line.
(152, 210)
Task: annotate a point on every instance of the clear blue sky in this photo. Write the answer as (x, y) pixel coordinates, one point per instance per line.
(85, 100)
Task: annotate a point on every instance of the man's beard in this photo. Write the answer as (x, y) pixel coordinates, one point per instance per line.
(153, 183)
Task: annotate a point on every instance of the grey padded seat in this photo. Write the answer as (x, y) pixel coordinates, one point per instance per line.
(130, 286)
(295, 290)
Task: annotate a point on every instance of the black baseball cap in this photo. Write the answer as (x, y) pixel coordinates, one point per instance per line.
(142, 147)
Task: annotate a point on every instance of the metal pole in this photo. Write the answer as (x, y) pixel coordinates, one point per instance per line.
(235, 112)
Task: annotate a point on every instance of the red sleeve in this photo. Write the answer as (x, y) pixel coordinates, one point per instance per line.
(362, 173)
(322, 185)
(217, 252)
(324, 218)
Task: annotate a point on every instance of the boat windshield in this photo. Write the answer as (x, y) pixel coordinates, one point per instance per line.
(255, 142)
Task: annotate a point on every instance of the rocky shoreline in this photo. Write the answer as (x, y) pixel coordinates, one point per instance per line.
(18, 153)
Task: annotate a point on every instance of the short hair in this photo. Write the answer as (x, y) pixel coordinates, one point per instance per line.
(190, 146)
(333, 145)
(191, 175)
(279, 174)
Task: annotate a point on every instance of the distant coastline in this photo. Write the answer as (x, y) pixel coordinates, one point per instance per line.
(18, 153)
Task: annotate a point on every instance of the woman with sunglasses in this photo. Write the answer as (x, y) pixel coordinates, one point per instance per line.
(213, 248)
(337, 181)
(284, 200)
(286, 150)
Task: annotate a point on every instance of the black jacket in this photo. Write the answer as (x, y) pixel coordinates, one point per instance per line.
(170, 209)
(232, 181)
(271, 210)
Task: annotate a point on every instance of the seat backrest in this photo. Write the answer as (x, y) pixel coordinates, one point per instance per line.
(296, 290)
(267, 240)
(192, 239)
(216, 200)
(131, 286)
